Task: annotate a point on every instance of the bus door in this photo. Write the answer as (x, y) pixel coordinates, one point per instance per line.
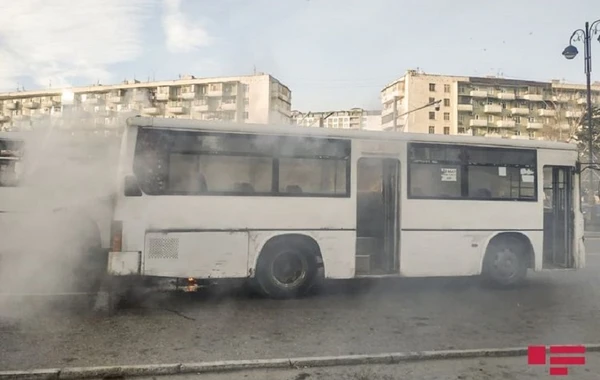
(559, 217)
(377, 216)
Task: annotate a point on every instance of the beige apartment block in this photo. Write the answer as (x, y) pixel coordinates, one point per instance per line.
(485, 106)
(246, 99)
(355, 118)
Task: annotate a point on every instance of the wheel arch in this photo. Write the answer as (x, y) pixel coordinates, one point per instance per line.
(518, 236)
(292, 238)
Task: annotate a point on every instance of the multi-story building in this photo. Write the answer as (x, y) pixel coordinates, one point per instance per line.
(253, 99)
(355, 118)
(489, 106)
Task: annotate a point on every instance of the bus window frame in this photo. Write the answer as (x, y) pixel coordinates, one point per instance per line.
(464, 171)
(275, 169)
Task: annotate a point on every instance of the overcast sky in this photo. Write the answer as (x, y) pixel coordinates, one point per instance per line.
(333, 54)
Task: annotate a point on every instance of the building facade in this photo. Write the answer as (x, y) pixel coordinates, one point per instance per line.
(485, 106)
(355, 118)
(246, 99)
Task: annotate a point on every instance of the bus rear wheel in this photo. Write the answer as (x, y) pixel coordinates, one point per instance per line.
(286, 269)
(505, 263)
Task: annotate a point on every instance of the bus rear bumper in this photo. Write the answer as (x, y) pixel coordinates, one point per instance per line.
(124, 263)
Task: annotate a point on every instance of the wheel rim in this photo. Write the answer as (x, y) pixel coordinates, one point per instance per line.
(289, 269)
(506, 264)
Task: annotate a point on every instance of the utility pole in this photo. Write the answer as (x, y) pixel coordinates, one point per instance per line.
(569, 53)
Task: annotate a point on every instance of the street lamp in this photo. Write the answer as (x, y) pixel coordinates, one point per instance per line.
(569, 53)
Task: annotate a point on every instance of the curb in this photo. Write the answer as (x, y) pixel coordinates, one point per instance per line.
(239, 365)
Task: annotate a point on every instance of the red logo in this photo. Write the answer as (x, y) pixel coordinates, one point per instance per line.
(560, 357)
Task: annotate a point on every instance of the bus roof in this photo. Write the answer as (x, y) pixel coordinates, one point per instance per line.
(219, 126)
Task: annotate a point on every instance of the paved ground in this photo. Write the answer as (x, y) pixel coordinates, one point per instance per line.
(472, 369)
(384, 316)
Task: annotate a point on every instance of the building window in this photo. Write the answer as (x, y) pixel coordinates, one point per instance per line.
(431, 100)
(446, 130)
(431, 115)
(478, 173)
(431, 86)
(531, 119)
(246, 116)
(461, 130)
(446, 102)
(490, 118)
(431, 129)
(446, 88)
(446, 116)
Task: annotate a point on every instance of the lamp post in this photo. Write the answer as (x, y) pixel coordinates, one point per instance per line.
(570, 52)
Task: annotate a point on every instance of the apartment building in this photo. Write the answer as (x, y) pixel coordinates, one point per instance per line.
(355, 118)
(247, 99)
(485, 106)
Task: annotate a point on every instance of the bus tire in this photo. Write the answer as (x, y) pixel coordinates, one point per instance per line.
(505, 263)
(286, 268)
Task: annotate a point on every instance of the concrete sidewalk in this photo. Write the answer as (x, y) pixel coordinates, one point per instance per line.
(450, 369)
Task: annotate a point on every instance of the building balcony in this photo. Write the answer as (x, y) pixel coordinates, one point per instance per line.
(581, 101)
(550, 113)
(534, 97)
(519, 111)
(163, 96)
(151, 110)
(188, 95)
(115, 99)
(39, 116)
(574, 114)
(564, 126)
(178, 110)
(479, 94)
(92, 101)
(493, 108)
(214, 93)
(478, 123)
(465, 107)
(506, 96)
(31, 105)
(199, 107)
(559, 98)
(229, 106)
(11, 106)
(535, 125)
(506, 123)
(49, 103)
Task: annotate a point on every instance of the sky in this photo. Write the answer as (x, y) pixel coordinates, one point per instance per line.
(332, 54)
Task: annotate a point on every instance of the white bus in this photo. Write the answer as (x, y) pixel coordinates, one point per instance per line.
(287, 206)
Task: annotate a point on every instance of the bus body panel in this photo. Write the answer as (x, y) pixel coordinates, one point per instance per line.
(461, 253)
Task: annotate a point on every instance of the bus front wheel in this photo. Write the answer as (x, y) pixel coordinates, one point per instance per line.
(505, 263)
(286, 269)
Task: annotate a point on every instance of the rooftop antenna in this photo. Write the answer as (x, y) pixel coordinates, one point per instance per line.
(254, 68)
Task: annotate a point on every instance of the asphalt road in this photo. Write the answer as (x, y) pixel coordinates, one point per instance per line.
(370, 317)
